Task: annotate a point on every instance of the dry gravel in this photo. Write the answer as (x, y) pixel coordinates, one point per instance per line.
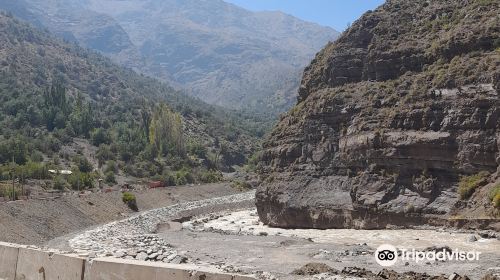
(38, 221)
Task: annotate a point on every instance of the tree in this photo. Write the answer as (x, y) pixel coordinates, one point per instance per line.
(15, 149)
(55, 106)
(82, 117)
(165, 131)
(83, 164)
(146, 121)
(100, 136)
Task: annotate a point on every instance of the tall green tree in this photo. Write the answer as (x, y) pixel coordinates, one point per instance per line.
(82, 117)
(55, 107)
(165, 131)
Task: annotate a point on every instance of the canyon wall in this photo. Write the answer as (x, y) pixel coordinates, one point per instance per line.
(389, 118)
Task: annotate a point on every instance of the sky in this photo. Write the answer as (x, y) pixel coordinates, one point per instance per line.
(334, 13)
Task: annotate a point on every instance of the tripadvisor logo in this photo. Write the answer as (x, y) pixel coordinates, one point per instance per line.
(388, 255)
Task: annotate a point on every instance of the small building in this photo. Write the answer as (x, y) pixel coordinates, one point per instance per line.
(156, 184)
(62, 172)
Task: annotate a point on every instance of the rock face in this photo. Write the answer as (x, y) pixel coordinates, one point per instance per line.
(388, 119)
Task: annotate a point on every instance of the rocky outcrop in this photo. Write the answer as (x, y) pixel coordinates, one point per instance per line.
(388, 120)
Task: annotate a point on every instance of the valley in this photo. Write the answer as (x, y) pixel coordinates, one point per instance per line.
(199, 140)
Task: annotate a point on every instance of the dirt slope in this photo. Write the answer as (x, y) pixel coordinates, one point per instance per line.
(37, 221)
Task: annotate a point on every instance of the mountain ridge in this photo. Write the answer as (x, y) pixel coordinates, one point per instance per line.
(215, 50)
(59, 99)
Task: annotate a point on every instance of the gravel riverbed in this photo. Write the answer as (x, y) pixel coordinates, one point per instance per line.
(132, 238)
(225, 233)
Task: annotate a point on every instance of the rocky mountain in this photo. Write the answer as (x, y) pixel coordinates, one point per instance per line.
(112, 101)
(397, 123)
(219, 52)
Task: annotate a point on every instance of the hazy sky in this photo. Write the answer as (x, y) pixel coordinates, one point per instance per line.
(333, 13)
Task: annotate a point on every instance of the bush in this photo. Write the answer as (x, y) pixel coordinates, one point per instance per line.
(59, 183)
(104, 153)
(211, 176)
(197, 149)
(183, 177)
(83, 164)
(7, 193)
(111, 167)
(495, 196)
(100, 136)
(241, 185)
(110, 177)
(168, 178)
(129, 199)
(80, 180)
(33, 170)
(36, 156)
(469, 184)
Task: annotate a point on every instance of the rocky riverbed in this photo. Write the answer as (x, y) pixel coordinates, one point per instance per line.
(132, 238)
(225, 233)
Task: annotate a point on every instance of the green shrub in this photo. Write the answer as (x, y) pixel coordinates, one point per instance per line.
(100, 136)
(495, 196)
(111, 167)
(104, 153)
(80, 180)
(183, 177)
(211, 176)
(59, 183)
(110, 177)
(168, 178)
(36, 156)
(83, 164)
(30, 170)
(241, 185)
(7, 193)
(127, 196)
(469, 184)
(197, 149)
(129, 199)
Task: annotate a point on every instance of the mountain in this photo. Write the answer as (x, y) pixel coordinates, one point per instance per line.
(63, 105)
(397, 123)
(218, 52)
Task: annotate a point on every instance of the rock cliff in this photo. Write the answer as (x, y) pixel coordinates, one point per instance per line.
(390, 119)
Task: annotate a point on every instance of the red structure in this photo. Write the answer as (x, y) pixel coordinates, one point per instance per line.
(156, 184)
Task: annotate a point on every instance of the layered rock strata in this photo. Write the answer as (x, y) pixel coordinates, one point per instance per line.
(389, 119)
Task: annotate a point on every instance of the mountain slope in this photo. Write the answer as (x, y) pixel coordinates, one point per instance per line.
(53, 94)
(397, 123)
(217, 51)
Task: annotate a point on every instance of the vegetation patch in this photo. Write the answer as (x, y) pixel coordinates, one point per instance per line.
(129, 199)
(241, 185)
(468, 184)
(495, 196)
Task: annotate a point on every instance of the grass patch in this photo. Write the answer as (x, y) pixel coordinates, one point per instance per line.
(468, 184)
(495, 196)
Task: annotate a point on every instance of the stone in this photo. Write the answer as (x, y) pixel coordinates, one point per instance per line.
(179, 259)
(119, 254)
(472, 238)
(313, 269)
(153, 256)
(141, 256)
